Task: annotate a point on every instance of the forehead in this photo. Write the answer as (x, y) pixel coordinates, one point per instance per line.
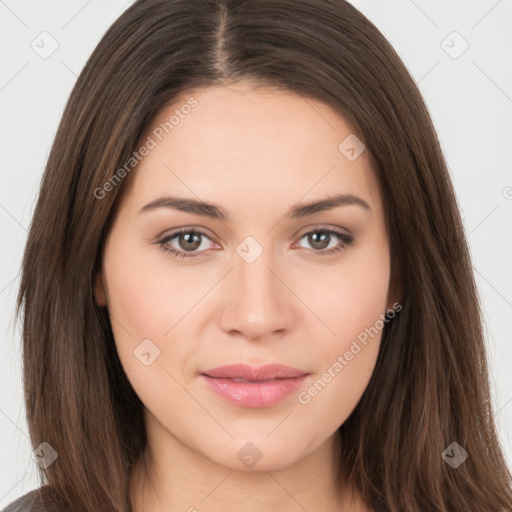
(227, 142)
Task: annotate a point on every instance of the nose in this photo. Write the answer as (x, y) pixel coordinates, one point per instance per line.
(258, 304)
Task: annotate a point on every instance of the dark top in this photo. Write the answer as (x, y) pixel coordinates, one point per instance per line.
(30, 502)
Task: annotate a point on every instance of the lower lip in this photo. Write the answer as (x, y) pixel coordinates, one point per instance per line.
(254, 394)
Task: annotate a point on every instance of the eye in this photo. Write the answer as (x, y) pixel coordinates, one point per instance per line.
(189, 243)
(321, 239)
(188, 240)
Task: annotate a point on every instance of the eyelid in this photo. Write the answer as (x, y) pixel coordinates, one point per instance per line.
(321, 227)
(169, 234)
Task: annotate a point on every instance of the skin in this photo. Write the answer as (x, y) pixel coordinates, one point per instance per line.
(256, 154)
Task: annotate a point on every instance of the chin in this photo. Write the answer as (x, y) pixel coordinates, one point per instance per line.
(257, 455)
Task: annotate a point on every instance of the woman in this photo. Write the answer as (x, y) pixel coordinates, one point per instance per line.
(247, 280)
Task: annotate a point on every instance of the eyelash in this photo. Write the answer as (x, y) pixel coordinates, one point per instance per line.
(162, 243)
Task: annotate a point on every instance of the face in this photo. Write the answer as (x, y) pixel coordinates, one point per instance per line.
(253, 279)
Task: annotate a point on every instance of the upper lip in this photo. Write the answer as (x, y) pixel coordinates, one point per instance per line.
(244, 371)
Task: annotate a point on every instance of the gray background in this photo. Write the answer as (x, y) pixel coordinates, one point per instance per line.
(469, 96)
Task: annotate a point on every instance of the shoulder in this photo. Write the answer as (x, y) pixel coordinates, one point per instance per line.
(30, 502)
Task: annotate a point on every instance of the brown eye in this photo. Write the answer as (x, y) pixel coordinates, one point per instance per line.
(185, 243)
(189, 241)
(319, 239)
(327, 241)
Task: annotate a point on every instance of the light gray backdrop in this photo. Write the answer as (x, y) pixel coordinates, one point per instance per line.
(460, 54)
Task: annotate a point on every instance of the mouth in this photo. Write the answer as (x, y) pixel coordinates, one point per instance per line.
(254, 387)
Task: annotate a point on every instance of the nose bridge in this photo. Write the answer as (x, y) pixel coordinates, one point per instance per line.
(255, 278)
(258, 304)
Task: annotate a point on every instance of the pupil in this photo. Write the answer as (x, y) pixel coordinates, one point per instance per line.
(190, 241)
(319, 242)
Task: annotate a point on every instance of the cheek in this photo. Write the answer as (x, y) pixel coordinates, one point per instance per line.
(348, 358)
(353, 305)
(144, 306)
(151, 300)
(135, 298)
(351, 296)
(136, 304)
(144, 295)
(358, 304)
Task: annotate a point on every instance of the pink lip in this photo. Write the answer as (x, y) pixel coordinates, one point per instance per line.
(266, 385)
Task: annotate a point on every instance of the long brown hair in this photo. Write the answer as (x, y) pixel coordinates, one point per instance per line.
(430, 386)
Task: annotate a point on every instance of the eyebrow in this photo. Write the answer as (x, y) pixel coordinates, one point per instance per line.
(216, 212)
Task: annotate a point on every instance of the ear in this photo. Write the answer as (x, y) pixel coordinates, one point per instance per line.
(99, 290)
